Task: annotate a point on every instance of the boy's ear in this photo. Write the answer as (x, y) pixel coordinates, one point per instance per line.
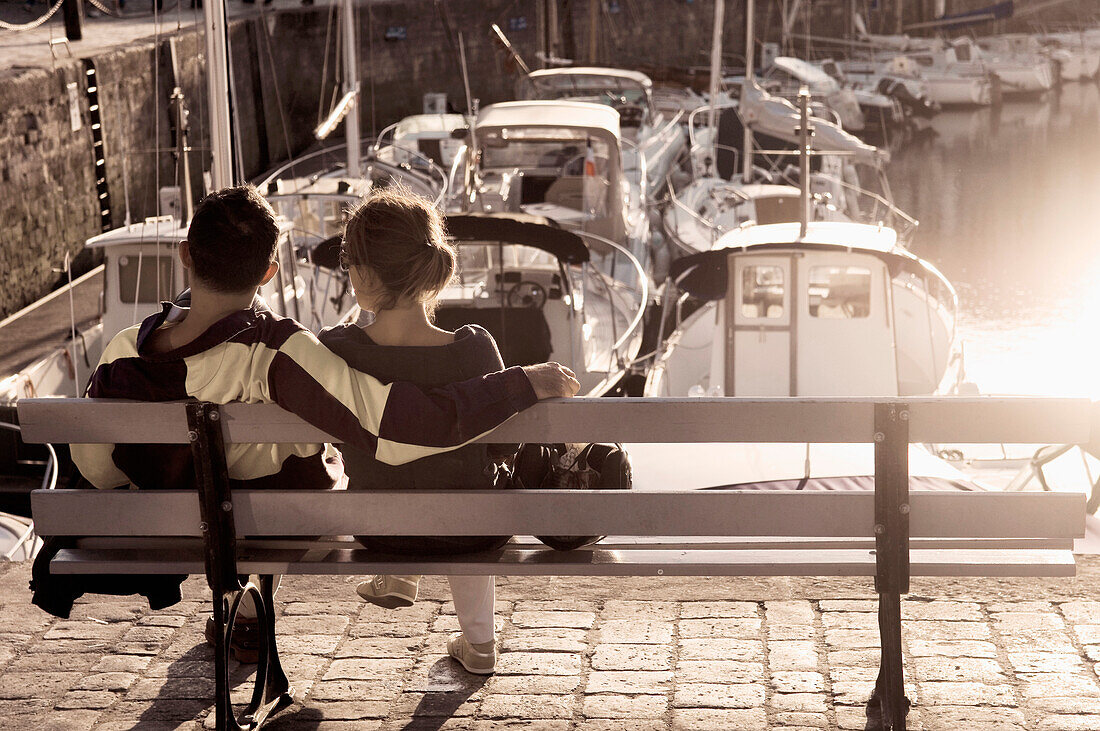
(185, 254)
(272, 268)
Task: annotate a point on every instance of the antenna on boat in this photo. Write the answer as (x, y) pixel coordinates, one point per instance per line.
(465, 76)
(715, 80)
(746, 170)
(805, 133)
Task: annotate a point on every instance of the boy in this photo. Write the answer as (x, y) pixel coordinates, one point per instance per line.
(227, 346)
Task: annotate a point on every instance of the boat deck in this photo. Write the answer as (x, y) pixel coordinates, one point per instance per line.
(38, 329)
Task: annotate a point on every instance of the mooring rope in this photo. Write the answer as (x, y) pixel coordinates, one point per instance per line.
(34, 23)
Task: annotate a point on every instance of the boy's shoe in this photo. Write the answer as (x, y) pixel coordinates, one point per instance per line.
(479, 660)
(390, 591)
(244, 643)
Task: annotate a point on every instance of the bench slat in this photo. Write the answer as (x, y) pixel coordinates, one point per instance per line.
(961, 420)
(560, 512)
(610, 543)
(594, 561)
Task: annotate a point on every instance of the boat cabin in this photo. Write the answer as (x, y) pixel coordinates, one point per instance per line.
(841, 311)
(141, 270)
(558, 160)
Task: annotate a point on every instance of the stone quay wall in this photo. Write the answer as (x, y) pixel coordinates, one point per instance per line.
(283, 72)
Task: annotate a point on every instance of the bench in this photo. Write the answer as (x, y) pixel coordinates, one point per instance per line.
(889, 534)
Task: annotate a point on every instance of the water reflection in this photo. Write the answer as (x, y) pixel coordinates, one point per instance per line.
(1008, 200)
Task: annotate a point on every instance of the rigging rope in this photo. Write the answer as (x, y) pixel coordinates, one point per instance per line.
(34, 23)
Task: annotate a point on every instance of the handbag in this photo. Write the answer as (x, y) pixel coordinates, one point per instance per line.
(571, 467)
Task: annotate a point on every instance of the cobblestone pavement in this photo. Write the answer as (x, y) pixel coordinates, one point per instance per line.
(594, 653)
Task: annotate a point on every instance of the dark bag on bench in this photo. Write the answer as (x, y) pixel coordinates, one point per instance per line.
(571, 467)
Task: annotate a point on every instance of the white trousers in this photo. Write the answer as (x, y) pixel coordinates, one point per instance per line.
(475, 604)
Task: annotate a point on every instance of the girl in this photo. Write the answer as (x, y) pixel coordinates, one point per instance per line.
(399, 261)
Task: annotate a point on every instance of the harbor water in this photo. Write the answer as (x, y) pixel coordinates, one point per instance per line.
(1008, 200)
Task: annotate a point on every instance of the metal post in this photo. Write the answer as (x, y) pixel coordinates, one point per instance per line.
(73, 12)
(217, 91)
(750, 43)
(805, 135)
(892, 555)
(351, 86)
(715, 79)
(271, 691)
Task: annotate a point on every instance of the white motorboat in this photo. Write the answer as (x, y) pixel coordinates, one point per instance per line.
(560, 160)
(836, 309)
(546, 293)
(806, 309)
(653, 138)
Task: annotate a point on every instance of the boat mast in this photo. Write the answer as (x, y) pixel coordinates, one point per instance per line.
(746, 170)
(351, 87)
(217, 91)
(715, 80)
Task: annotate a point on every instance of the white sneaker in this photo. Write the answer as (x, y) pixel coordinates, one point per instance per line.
(390, 591)
(477, 661)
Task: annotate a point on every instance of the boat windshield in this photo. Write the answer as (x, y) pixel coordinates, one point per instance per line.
(491, 269)
(590, 87)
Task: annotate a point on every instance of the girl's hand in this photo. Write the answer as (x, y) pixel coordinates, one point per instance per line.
(552, 380)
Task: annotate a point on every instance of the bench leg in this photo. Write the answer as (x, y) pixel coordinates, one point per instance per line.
(271, 692)
(890, 686)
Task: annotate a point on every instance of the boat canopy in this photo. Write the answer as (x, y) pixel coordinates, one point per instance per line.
(518, 228)
(705, 275)
(419, 124)
(813, 76)
(588, 77)
(772, 115)
(558, 114)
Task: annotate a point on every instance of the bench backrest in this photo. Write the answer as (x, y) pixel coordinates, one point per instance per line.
(795, 514)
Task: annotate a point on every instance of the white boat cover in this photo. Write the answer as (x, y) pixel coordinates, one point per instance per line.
(777, 117)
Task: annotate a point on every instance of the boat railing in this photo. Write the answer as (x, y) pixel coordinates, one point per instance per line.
(49, 482)
(612, 283)
(714, 227)
(874, 208)
(431, 174)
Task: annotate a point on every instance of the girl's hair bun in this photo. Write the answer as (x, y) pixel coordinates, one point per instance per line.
(399, 235)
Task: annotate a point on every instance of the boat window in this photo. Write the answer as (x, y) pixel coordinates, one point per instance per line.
(156, 278)
(840, 293)
(762, 292)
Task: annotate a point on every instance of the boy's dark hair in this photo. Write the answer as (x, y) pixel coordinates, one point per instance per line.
(232, 239)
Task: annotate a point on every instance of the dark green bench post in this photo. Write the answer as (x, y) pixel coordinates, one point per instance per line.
(891, 555)
(271, 692)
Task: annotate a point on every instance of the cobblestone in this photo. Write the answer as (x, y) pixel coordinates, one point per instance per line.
(986, 660)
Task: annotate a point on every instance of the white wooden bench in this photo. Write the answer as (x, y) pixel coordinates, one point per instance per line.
(890, 534)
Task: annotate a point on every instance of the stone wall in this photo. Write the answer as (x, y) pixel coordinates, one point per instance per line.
(284, 76)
